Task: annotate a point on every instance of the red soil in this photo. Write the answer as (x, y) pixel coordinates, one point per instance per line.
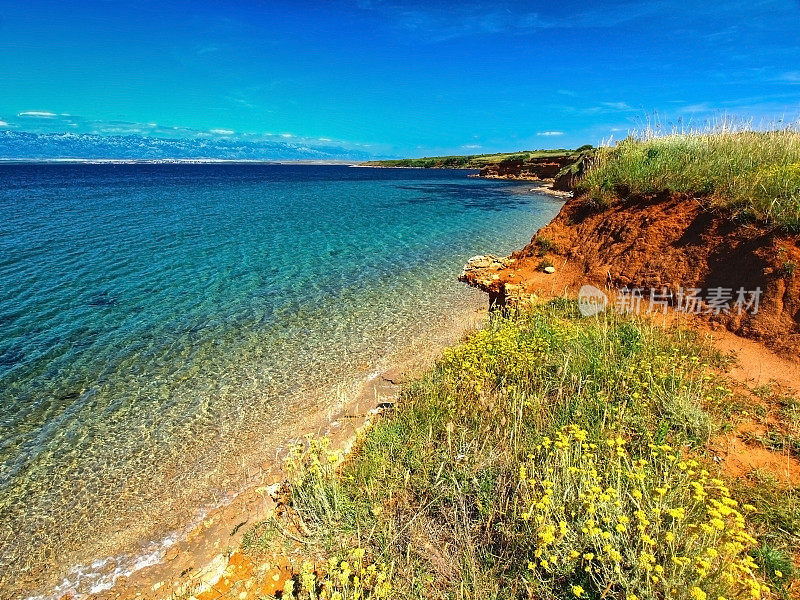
(662, 242)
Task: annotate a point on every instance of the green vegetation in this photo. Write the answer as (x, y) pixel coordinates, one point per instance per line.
(776, 522)
(547, 456)
(754, 174)
(472, 161)
(544, 263)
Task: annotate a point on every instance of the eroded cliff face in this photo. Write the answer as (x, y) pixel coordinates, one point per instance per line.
(664, 245)
(533, 169)
(562, 171)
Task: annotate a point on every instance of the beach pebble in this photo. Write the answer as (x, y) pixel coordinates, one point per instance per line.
(550, 270)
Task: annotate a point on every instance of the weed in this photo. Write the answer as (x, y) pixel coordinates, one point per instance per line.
(544, 263)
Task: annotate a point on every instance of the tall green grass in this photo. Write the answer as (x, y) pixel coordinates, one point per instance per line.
(754, 174)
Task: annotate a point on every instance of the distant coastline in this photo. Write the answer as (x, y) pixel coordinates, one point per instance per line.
(171, 161)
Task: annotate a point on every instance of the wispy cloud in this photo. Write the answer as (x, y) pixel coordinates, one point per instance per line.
(789, 77)
(207, 50)
(601, 108)
(550, 133)
(616, 105)
(23, 145)
(39, 114)
(47, 122)
(471, 146)
(699, 107)
(442, 21)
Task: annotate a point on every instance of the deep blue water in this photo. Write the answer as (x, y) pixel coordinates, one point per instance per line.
(156, 321)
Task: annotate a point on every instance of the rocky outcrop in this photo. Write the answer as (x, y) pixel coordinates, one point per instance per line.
(534, 169)
(567, 178)
(490, 274)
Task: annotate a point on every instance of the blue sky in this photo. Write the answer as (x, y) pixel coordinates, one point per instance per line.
(407, 78)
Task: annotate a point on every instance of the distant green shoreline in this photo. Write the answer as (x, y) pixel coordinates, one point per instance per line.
(170, 161)
(472, 161)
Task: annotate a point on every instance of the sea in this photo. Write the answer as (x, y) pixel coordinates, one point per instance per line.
(160, 322)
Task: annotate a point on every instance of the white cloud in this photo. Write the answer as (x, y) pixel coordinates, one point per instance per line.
(287, 135)
(550, 133)
(617, 105)
(701, 107)
(602, 108)
(3, 124)
(41, 114)
(790, 77)
(471, 146)
(222, 131)
(438, 22)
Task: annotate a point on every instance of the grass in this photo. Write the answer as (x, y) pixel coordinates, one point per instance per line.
(753, 174)
(472, 161)
(547, 456)
(776, 523)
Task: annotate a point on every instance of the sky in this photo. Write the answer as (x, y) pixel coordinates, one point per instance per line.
(394, 77)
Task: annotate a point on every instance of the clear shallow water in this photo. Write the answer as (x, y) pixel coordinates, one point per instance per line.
(157, 321)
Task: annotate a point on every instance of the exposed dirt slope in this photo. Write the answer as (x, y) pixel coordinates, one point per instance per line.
(660, 242)
(531, 169)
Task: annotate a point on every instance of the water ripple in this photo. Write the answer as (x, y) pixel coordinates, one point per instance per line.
(158, 322)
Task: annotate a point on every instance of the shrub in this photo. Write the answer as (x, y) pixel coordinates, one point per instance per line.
(600, 522)
(788, 268)
(544, 245)
(351, 578)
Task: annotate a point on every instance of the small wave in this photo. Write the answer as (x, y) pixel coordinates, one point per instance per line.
(101, 574)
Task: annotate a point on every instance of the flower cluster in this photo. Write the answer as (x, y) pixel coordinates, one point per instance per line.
(351, 578)
(312, 460)
(500, 349)
(653, 527)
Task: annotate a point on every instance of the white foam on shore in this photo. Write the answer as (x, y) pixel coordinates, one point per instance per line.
(99, 575)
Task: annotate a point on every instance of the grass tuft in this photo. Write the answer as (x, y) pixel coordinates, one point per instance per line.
(754, 174)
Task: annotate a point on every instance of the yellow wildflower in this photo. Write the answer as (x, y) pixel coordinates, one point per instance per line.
(697, 593)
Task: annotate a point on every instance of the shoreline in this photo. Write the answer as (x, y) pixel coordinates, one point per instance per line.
(193, 556)
(114, 548)
(171, 161)
(381, 386)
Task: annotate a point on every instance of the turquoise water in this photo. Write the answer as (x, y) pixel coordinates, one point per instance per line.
(158, 322)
